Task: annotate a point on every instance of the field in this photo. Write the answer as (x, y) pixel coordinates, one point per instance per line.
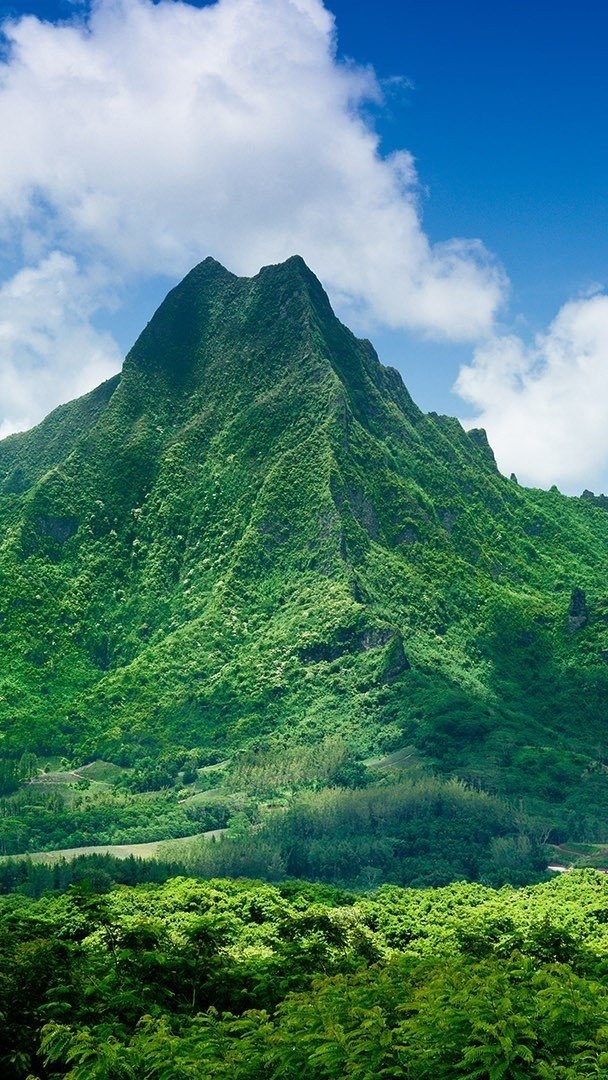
(157, 849)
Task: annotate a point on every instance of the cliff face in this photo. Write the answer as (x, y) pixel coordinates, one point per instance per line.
(254, 529)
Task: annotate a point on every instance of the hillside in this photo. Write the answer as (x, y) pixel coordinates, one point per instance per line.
(253, 539)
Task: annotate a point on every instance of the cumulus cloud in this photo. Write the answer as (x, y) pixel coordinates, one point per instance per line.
(49, 351)
(155, 134)
(138, 137)
(545, 405)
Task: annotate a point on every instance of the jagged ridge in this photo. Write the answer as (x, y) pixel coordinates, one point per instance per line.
(255, 530)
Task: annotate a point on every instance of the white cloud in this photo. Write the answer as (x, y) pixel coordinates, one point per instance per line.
(155, 134)
(49, 351)
(141, 137)
(545, 406)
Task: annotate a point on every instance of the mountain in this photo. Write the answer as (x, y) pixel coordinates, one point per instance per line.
(253, 538)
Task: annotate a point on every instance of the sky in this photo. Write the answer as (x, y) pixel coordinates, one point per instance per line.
(442, 167)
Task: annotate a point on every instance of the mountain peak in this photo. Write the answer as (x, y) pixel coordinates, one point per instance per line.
(222, 338)
(291, 273)
(295, 274)
(209, 267)
(262, 314)
(255, 531)
(295, 264)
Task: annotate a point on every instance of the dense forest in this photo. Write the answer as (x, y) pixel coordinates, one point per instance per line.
(237, 979)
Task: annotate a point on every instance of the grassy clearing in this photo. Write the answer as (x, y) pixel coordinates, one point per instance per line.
(157, 849)
(399, 759)
(103, 771)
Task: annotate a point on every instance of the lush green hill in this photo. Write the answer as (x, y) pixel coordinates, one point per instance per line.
(254, 539)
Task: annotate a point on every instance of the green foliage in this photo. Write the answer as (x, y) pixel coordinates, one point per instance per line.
(13, 772)
(248, 981)
(41, 818)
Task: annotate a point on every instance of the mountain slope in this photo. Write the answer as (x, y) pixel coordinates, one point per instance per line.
(254, 530)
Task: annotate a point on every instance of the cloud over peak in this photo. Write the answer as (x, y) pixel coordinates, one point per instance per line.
(156, 133)
(49, 350)
(139, 137)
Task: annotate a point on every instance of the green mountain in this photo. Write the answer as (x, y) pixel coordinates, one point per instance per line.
(252, 539)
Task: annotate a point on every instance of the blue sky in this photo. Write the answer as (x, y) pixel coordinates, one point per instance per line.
(503, 109)
(507, 120)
